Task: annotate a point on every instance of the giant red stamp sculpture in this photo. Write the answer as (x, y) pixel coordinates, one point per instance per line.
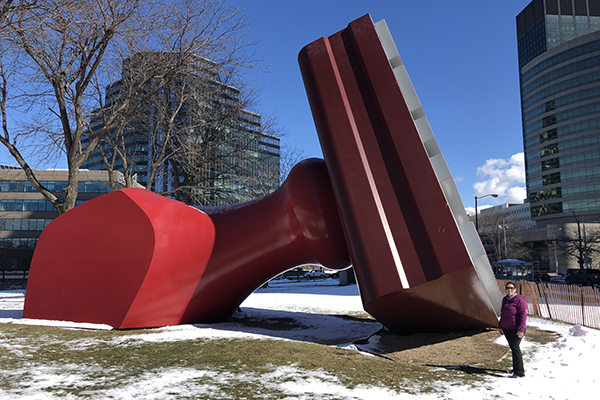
(383, 200)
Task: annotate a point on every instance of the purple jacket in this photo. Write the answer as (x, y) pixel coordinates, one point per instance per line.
(514, 313)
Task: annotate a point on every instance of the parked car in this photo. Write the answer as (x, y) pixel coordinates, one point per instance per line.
(18, 286)
(316, 274)
(541, 276)
(584, 276)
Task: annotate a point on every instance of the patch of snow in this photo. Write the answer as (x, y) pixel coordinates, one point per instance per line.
(564, 369)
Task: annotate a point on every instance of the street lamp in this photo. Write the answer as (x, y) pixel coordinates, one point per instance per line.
(476, 198)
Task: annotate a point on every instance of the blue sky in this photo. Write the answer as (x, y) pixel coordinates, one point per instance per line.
(461, 57)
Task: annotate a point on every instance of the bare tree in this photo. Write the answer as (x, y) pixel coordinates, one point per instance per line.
(225, 162)
(501, 234)
(290, 156)
(195, 140)
(58, 56)
(582, 244)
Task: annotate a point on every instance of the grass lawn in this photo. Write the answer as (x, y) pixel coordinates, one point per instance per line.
(68, 363)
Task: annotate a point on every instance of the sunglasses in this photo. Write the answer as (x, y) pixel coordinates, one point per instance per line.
(510, 288)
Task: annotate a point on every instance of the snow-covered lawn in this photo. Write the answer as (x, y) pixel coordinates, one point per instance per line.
(565, 369)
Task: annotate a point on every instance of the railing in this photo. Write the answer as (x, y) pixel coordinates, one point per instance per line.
(13, 279)
(573, 304)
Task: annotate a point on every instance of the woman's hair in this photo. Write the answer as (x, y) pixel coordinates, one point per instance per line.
(509, 283)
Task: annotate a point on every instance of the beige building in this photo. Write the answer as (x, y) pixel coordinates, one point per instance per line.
(24, 212)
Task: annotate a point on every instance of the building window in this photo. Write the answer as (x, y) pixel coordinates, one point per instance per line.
(549, 120)
(547, 165)
(547, 194)
(16, 224)
(549, 150)
(548, 135)
(545, 209)
(18, 243)
(551, 179)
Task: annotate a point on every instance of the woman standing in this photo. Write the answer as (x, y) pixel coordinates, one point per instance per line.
(513, 320)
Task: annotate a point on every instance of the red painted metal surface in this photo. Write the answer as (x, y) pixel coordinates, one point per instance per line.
(413, 269)
(297, 224)
(128, 259)
(134, 259)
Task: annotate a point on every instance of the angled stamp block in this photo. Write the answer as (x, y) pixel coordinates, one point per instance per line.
(418, 265)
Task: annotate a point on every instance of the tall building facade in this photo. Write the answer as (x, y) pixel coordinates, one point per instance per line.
(228, 158)
(559, 70)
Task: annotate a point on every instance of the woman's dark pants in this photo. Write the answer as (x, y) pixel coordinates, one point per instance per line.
(515, 346)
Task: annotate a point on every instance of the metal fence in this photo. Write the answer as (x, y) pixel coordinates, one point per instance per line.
(13, 279)
(573, 304)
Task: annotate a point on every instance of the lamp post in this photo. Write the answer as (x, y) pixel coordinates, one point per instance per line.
(476, 220)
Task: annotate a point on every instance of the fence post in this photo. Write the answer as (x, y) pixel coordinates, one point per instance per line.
(582, 307)
(543, 292)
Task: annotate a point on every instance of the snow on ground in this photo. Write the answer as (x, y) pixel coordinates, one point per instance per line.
(565, 369)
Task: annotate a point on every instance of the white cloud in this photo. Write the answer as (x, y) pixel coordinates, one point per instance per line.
(506, 178)
(516, 194)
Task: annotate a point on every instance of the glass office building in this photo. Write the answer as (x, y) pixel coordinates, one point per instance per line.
(228, 158)
(559, 69)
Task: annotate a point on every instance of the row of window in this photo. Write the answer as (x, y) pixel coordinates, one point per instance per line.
(546, 194)
(560, 73)
(518, 210)
(566, 55)
(562, 29)
(546, 209)
(549, 150)
(548, 135)
(564, 161)
(270, 140)
(582, 205)
(29, 205)
(565, 176)
(563, 101)
(583, 142)
(569, 84)
(580, 158)
(18, 243)
(576, 112)
(16, 224)
(54, 186)
(580, 173)
(269, 148)
(588, 125)
(547, 165)
(581, 189)
(580, 142)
